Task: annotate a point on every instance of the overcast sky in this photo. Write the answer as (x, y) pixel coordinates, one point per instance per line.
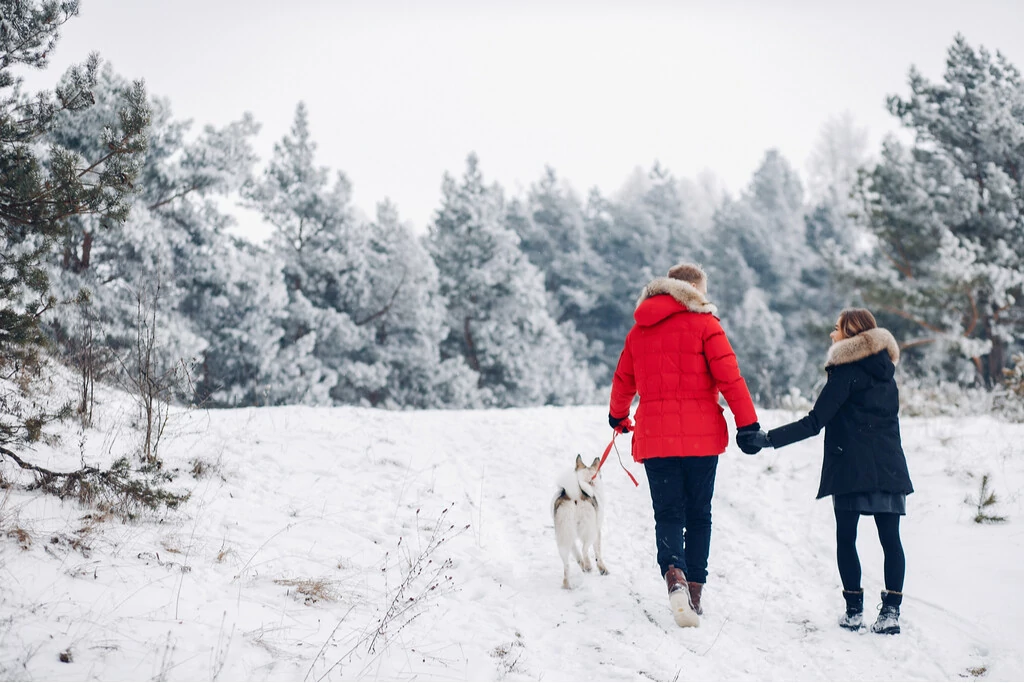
(400, 92)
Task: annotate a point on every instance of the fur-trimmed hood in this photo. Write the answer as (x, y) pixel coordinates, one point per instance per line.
(862, 346)
(688, 296)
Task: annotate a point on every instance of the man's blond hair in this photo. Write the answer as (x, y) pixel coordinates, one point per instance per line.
(689, 272)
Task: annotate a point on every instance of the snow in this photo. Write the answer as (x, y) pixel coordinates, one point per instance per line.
(346, 499)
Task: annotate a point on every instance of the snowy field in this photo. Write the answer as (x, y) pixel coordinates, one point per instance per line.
(328, 544)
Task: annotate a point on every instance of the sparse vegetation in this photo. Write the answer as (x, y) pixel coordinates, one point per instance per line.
(421, 581)
(118, 490)
(311, 591)
(146, 378)
(201, 468)
(21, 537)
(508, 655)
(985, 503)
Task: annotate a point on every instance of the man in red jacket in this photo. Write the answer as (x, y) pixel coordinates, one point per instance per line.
(678, 359)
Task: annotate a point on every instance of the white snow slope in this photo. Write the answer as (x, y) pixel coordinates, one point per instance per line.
(307, 554)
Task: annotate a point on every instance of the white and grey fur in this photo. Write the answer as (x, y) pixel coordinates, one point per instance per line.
(578, 513)
(689, 296)
(860, 346)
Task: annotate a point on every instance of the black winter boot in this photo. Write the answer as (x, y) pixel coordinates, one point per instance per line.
(854, 617)
(888, 621)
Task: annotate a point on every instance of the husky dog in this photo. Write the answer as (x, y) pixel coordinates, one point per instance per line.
(578, 513)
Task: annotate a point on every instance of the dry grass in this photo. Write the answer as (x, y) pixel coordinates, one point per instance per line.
(22, 537)
(171, 547)
(204, 468)
(10, 526)
(311, 591)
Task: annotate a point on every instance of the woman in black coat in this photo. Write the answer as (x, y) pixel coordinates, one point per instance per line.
(864, 469)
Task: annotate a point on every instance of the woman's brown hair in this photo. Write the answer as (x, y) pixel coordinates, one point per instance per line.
(853, 321)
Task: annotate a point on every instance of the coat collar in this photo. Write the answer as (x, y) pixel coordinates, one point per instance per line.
(861, 346)
(683, 292)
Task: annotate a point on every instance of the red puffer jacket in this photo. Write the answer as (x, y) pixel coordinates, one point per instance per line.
(678, 358)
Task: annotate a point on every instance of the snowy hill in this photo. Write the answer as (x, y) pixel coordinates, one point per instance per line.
(327, 544)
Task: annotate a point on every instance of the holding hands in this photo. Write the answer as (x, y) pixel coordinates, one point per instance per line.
(751, 439)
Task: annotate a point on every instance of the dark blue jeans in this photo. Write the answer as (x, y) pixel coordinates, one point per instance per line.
(681, 490)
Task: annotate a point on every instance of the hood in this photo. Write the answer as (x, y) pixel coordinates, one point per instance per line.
(874, 350)
(879, 366)
(664, 297)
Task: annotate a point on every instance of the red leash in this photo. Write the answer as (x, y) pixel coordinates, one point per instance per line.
(608, 449)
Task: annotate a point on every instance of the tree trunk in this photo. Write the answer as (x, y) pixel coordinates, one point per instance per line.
(470, 348)
(86, 251)
(996, 361)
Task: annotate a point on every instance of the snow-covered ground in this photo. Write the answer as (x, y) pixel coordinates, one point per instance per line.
(292, 559)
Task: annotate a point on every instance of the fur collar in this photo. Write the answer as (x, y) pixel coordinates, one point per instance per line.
(683, 292)
(860, 346)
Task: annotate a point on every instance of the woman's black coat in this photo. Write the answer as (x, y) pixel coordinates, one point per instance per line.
(858, 409)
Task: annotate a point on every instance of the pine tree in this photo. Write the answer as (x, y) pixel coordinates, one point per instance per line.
(497, 317)
(238, 308)
(42, 189)
(551, 226)
(172, 238)
(636, 237)
(404, 310)
(320, 245)
(758, 261)
(947, 215)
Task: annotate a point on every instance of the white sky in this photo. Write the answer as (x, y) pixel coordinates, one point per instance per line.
(400, 92)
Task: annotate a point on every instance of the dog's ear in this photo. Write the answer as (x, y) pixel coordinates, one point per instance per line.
(579, 462)
(597, 461)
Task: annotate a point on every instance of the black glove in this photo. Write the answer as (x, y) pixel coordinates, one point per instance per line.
(751, 439)
(616, 421)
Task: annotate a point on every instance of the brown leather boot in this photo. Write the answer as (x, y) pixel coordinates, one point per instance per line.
(695, 589)
(675, 579)
(679, 598)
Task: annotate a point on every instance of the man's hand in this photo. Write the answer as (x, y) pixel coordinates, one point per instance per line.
(751, 439)
(622, 425)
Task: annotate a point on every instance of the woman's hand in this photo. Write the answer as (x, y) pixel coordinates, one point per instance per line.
(751, 439)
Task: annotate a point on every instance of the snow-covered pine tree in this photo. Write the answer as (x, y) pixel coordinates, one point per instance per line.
(42, 187)
(757, 257)
(497, 316)
(551, 226)
(321, 246)
(947, 216)
(173, 238)
(636, 237)
(551, 229)
(238, 307)
(401, 304)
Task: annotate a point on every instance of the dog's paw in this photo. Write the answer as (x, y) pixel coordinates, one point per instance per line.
(601, 568)
(587, 567)
(565, 584)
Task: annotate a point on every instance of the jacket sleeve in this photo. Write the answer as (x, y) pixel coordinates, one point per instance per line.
(623, 383)
(726, 373)
(831, 398)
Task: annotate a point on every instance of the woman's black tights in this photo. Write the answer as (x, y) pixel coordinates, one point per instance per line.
(846, 549)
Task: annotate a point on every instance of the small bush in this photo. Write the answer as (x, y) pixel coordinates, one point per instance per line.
(985, 504)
